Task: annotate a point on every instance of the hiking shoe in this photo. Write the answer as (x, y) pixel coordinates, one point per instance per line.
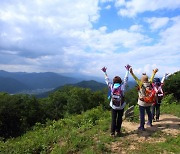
(113, 134)
(149, 124)
(141, 128)
(118, 134)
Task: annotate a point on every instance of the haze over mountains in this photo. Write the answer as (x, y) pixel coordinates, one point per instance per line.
(15, 82)
(38, 83)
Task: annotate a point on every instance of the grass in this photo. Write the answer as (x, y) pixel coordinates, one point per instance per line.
(87, 133)
(171, 145)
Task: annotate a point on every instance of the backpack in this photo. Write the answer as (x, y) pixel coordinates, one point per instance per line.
(157, 81)
(117, 96)
(159, 94)
(150, 94)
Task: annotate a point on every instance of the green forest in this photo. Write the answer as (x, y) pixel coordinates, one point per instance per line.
(52, 124)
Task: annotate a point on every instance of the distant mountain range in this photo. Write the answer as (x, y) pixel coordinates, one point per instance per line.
(14, 82)
(43, 83)
(93, 85)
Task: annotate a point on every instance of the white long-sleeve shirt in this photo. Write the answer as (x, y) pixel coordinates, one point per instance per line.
(123, 88)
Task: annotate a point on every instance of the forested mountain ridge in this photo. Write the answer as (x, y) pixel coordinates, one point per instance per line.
(93, 85)
(11, 85)
(25, 81)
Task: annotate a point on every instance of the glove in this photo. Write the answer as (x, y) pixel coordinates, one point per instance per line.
(104, 69)
(127, 67)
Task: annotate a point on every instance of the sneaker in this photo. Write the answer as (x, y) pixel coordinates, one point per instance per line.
(141, 128)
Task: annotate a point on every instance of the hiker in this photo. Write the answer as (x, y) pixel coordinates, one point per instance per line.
(157, 85)
(144, 101)
(117, 103)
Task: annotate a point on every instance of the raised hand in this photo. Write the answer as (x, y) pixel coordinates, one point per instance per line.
(127, 67)
(155, 70)
(104, 69)
(131, 70)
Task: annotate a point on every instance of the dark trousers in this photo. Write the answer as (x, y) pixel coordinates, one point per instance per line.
(142, 115)
(116, 120)
(156, 111)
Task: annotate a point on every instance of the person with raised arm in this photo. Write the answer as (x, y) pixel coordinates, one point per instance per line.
(157, 85)
(146, 97)
(117, 103)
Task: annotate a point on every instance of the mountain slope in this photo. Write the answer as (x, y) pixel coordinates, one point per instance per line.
(93, 85)
(10, 85)
(35, 80)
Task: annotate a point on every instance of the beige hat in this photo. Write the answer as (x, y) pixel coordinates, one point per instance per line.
(144, 78)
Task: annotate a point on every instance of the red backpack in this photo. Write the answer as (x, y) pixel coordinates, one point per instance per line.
(150, 94)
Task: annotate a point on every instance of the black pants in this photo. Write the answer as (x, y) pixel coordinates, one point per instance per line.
(156, 111)
(116, 120)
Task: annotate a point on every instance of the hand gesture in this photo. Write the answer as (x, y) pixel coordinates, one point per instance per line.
(155, 70)
(127, 67)
(104, 69)
(130, 70)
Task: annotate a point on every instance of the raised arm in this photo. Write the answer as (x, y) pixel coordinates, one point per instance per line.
(153, 74)
(104, 69)
(126, 75)
(166, 75)
(134, 76)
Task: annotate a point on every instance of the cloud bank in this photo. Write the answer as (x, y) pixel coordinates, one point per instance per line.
(60, 36)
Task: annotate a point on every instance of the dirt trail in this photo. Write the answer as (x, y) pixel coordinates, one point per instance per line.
(168, 124)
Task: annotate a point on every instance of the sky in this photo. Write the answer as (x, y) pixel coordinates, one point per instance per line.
(82, 36)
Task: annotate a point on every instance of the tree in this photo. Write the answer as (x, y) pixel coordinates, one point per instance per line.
(172, 85)
(131, 96)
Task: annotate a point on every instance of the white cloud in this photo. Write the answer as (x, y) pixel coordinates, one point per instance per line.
(119, 3)
(105, 1)
(157, 23)
(136, 28)
(59, 36)
(171, 35)
(108, 7)
(133, 7)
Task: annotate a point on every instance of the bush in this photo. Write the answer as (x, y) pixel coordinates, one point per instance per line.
(172, 85)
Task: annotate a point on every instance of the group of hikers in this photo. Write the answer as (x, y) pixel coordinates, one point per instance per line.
(150, 94)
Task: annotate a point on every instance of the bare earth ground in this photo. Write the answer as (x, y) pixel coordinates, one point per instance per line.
(168, 124)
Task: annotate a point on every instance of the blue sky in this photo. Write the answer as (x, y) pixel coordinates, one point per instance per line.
(82, 36)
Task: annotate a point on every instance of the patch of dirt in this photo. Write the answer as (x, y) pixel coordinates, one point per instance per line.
(168, 124)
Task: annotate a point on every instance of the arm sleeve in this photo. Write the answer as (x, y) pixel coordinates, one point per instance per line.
(152, 77)
(125, 81)
(108, 81)
(136, 79)
(164, 78)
